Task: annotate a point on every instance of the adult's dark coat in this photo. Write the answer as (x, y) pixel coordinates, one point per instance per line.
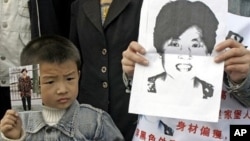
(101, 47)
(50, 17)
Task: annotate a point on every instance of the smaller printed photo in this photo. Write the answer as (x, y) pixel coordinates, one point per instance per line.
(25, 91)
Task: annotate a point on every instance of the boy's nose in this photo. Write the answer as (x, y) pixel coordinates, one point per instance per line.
(61, 89)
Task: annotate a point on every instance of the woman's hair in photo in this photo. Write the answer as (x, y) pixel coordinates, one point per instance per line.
(24, 69)
(50, 49)
(177, 16)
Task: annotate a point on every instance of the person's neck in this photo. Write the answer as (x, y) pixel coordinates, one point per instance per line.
(106, 1)
(52, 115)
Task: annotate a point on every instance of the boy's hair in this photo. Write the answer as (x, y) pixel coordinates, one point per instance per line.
(50, 49)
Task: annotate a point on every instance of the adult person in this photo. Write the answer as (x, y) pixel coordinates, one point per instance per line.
(24, 88)
(102, 30)
(236, 82)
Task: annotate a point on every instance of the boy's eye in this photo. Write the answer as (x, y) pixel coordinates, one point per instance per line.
(70, 78)
(49, 82)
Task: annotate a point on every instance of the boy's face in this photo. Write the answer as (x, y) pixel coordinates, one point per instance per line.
(59, 84)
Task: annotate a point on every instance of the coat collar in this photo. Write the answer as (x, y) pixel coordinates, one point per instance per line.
(115, 10)
(93, 11)
(66, 124)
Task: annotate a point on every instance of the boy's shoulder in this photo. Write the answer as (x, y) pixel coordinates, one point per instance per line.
(92, 115)
(89, 110)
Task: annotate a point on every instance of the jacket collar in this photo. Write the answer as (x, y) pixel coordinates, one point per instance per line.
(66, 124)
(92, 11)
(34, 121)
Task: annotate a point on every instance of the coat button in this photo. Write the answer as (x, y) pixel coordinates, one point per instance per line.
(2, 57)
(104, 51)
(48, 130)
(3, 81)
(104, 69)
(5, 25)
(104, 84)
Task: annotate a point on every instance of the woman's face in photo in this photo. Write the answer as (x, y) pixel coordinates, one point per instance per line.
(24, 73)
(189, 43)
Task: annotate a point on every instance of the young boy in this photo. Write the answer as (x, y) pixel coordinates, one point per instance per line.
(62, 117)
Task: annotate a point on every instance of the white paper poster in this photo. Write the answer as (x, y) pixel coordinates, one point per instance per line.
(231, 112)
(182, 78)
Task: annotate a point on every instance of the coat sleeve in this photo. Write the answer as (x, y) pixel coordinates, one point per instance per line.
(73, 35)
(109, 130)
(30, 83)
(241, 92)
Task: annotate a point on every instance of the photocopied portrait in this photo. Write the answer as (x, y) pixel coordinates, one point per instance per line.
(179, 43)
(188, 33)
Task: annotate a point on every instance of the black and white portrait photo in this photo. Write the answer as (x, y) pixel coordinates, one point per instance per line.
(188, 33)
(182, 74)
